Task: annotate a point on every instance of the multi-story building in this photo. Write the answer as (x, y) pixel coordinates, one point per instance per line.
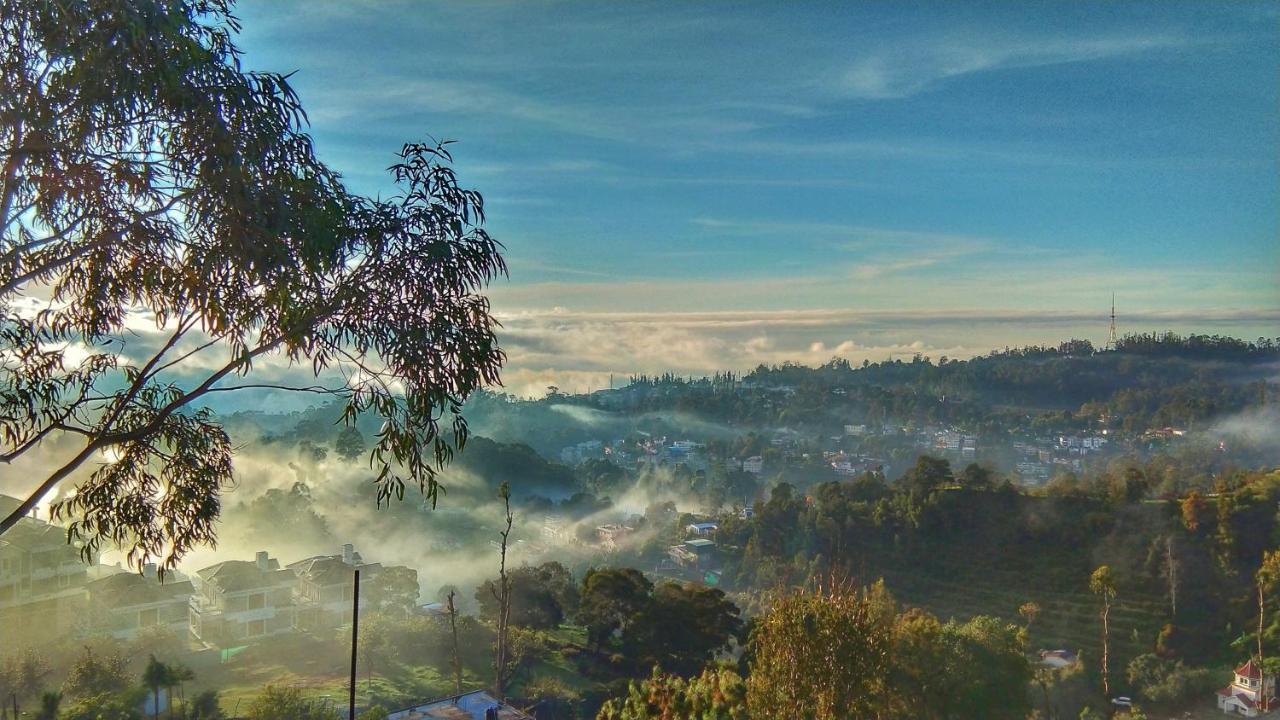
(238, 601)
(127, 604)
(326, 583)
(42, 576)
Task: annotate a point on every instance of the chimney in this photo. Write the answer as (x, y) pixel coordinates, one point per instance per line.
(349, 554)
(261, 559)
(149, 571)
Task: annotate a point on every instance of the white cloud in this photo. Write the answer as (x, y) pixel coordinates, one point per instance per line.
(906, 69)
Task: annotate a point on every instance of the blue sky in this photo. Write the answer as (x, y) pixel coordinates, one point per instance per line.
(699, 185)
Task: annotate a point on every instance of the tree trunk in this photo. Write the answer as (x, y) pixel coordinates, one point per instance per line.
(504, 605)
(1171, 572)
(1106, 640)
(457, 660)
(1262, 671)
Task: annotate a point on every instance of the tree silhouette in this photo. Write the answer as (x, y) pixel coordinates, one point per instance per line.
(147, 179)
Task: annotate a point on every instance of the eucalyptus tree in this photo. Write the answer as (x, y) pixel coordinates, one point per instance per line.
(1102, 583)
(166, 230)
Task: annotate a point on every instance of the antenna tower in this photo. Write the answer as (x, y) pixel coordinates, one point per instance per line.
(1112, 340)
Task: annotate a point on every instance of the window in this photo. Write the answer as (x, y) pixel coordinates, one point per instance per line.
(147, 618)
(257, 601)
(255, 628)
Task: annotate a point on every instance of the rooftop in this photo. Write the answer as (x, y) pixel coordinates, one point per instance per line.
(467, 706)
(127, 588)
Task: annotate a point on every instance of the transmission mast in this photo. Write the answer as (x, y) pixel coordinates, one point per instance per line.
(1112, 340)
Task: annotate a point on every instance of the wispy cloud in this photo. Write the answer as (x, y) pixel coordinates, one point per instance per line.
(906, 69)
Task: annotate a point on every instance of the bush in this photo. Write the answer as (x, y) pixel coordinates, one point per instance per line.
(287, 704)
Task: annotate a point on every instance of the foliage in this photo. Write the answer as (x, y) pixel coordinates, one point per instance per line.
(97, 674)
(23, 675)
(280, 703)
(393, 590)
(377, 712)
(611, 599)
(148, 177)
(205, 706)
(552, 698)
(120, 705)
(1169, 682)
(541, 596)
(820, 655)
(683, 627)
(716, 694)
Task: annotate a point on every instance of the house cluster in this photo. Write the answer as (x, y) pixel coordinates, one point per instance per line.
(850, 465)
(1042, 458)
(636, 453)
(45, 583)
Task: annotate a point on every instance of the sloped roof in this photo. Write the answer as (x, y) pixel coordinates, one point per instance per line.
(1250, 670)
(125, 589)
(238, 575)
(32, 536)
(331, 570)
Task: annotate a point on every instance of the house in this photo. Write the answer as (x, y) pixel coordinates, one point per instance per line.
(126, 604)
(238, 601)
(693, 553)
(702, 529)
(753, 464)
(609, 535)
(1057, 658)
(326, 583)
(476, 705)
(42, 576)
(1245, 694)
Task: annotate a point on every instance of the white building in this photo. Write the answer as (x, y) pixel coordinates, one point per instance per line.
(753, 464)
(126, 604)
(237, 601)
(42, 578)
(1245, 693)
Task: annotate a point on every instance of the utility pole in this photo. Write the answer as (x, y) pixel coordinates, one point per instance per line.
(355, 629)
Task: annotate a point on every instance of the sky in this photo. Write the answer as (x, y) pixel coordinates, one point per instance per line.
(710, 185)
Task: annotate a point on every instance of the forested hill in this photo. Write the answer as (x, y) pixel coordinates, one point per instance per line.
(1147, 381)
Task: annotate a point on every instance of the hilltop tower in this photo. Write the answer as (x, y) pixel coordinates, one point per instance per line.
(1112, 340)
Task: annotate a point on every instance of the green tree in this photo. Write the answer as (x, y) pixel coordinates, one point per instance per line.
(541, 596)
(350, 443)
(393, 591)
(926, 476)
(1102, 584)
(683, 627)
(23, 675)
(612, 599)
(820, 655)
(716, 694)
(97, 674)
(205, 706)
(976, 477)
(147, 177)
(50, 702)
(156, 675)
